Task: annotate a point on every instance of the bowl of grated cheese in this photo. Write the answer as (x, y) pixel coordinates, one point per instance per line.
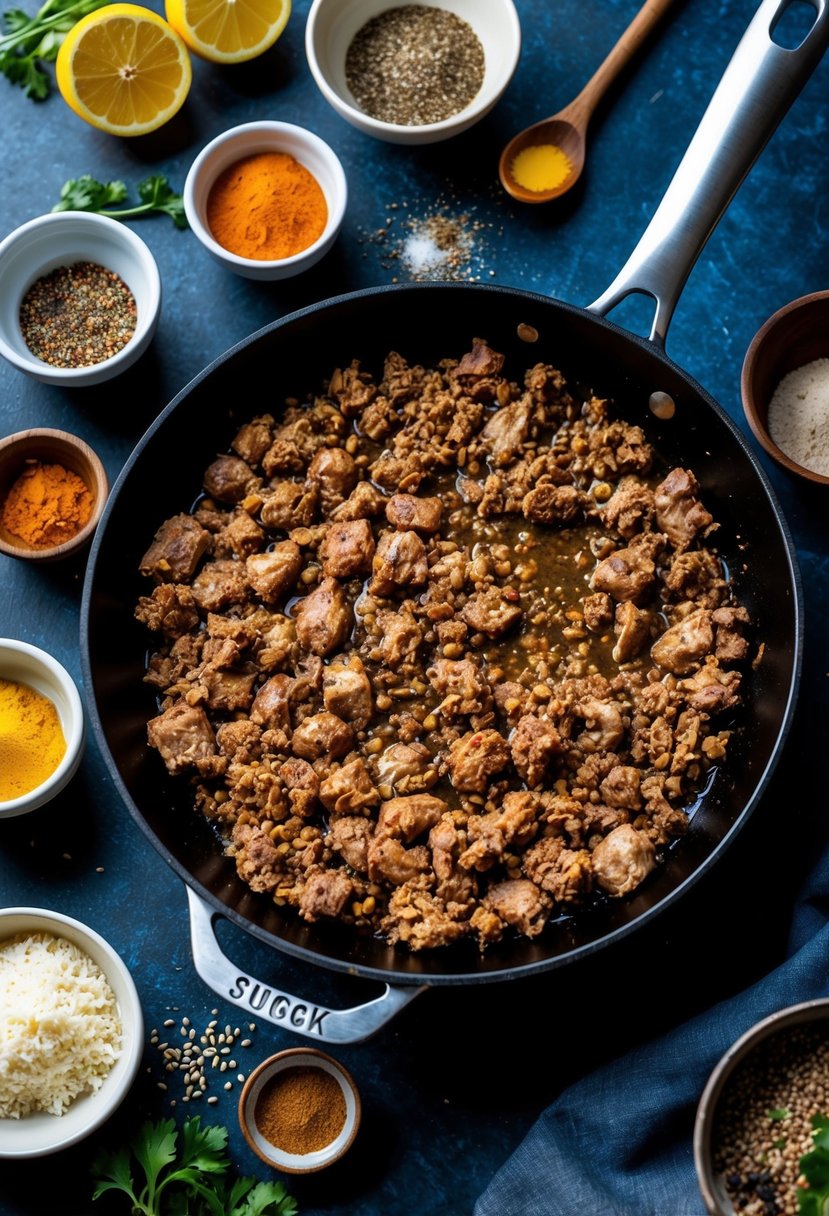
(71, 1031)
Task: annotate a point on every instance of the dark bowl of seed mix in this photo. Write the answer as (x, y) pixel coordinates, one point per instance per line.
(761, 1139)
(79, 298)
(412, 73)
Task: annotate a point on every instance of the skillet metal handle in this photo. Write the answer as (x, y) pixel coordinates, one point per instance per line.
(758, 87)
(264, 1001)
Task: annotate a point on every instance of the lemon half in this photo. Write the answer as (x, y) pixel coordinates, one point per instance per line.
(123, 69)
(228, 31)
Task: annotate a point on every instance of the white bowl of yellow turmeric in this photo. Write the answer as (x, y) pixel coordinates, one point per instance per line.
(42, 728)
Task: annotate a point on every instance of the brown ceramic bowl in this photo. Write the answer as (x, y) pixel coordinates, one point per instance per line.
(292, 1162)
(51, 447)
(795, 335)
(712, 1184)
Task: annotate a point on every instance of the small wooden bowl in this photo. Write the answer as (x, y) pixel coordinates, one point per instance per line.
(795, 335)
(51, 447)
(277, 1158)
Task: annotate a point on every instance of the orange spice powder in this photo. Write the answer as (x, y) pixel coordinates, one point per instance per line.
(266, 206)
(46, 505)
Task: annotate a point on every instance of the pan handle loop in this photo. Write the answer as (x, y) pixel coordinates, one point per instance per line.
(271, 1004)
(759, 85)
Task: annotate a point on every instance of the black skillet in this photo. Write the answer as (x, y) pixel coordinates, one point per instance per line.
(427, 322)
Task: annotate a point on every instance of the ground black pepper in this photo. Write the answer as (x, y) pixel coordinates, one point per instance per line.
(77, 315)
(414, 64)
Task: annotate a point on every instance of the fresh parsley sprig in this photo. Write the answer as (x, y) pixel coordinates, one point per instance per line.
(28, 42)
(156, 195)
(190, 1180)
(814, 1201)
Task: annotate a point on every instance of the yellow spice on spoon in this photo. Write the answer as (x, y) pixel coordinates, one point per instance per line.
(541, 167)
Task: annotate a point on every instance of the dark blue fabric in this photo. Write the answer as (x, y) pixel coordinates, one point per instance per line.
(619, 1142)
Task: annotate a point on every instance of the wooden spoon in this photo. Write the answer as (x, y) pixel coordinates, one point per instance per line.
(567, 130)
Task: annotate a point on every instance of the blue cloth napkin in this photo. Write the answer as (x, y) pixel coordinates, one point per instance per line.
(619, 1143)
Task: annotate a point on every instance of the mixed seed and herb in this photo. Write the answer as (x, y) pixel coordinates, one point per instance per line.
(770, 1138)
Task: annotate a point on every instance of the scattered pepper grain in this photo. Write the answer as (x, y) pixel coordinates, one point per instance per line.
(78, 315)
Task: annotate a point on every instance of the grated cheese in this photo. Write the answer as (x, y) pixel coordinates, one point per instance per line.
(60, 1032)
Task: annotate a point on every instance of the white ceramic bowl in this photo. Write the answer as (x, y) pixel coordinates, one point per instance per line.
(248, 140)
(38, 1134)
(332, 24)
(299, 1163)
(29, 665)
(60, 239)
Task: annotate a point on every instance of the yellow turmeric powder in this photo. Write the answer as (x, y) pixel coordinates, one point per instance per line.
(541, 167)
(32, 743)
(46, 505)
(266, 206)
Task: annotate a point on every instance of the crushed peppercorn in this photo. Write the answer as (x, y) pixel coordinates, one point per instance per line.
(78, 315)
(414, 65)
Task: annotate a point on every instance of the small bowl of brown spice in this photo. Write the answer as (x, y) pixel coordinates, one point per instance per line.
(762, 1123)
(300, 1110)
(53, 488)
(80, 296)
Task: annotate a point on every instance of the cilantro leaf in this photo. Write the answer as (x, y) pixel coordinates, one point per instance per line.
(814, 1201)
(85, 193)
(28, 42)
(157, 193)
(780, 1112)
(187, 1177)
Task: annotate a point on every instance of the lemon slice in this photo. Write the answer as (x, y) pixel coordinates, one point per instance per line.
(123, 69)
(228, 31)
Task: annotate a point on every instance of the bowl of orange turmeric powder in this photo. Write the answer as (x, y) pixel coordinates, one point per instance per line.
(53, 487)
(266, 199)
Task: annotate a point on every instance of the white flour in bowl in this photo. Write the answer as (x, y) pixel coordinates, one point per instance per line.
(798, 420)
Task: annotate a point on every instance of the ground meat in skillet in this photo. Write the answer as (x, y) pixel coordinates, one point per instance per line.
(443, 653)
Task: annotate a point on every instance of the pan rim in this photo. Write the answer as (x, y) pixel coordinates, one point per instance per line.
(512, 971)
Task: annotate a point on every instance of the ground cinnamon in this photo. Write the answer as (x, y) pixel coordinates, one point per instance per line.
(46, 505)
(300, 1110)
(266, 206)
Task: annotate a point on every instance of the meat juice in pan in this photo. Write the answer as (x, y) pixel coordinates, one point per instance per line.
(443, 654)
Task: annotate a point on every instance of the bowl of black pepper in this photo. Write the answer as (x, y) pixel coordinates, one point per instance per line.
(412, 73)
(80, 296)
(761, 1137)
(300, 1110)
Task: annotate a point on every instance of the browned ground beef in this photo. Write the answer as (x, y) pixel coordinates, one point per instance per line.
(442, 654)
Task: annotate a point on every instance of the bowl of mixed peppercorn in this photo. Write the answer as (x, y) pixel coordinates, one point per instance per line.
(412, 73)
(79, 298)
(761, 1138)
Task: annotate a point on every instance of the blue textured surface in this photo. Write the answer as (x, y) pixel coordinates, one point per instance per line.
(451, 1086)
